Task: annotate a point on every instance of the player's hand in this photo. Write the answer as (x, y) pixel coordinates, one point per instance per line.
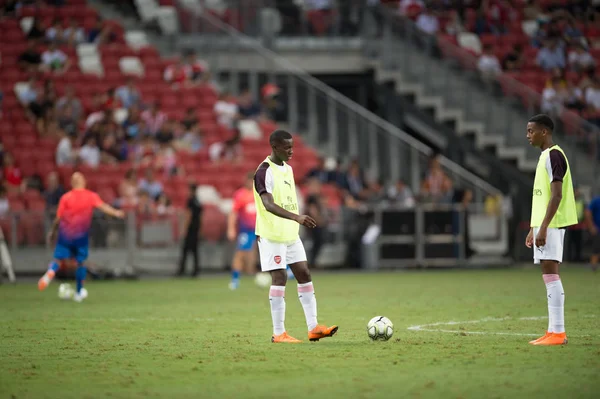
(231, 235)
(120, 214)
(306, 221)
(529, 239)
(593, 230)
(540, 239)
(50, 237)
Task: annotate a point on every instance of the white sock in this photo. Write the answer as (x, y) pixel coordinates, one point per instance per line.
(277, 299)
(556, 303)
(306, 294)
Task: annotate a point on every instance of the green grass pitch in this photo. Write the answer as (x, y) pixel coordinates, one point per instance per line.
(196, 339)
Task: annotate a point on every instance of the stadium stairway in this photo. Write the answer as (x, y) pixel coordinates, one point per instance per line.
(492, 122)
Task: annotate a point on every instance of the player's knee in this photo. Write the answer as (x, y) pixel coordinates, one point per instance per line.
(278, 277)
(302, 275)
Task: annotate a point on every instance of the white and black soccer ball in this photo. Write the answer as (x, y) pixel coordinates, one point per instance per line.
(262, 279)
(380, 328)
(65, 291)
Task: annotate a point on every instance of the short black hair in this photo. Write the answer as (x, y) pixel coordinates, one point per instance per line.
(543, 120)
(279, 136)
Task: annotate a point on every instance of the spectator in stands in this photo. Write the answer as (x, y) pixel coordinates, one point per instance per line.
(315, 208)
(89, 153)
(551, 56)
(177, 74)
(37, 32)
(54, 190)
(65, 154)
(191, 140)
(55, 32)
(55, 60)
(319, 14)
(580, 59)
(70, 100)
(9, 8)
(488, 64)
(165, 160)
(189, 119)
(110, 151)
(318, 172)
(128, 189)
(145, 205)
(111, 100)
(28, 93)
(400, 194)
(553, 97)
(272, 106)
(497, 14)
(291, 17)
(153, 118)
(13, 178)
(436, 186)
(66, 120)
(427, 22)
(354, 181)
(410, 8)
(513, 61)
(133, 126)
(101, 33)
(40, 111)
(145, 150)
(74, 34)
(248, 108)
(195, 68)
(226, 110)
(375, 192)
(128, 94)
(572, 35)
(592, 96)
(31, 59)
(163, 205)
(454, 25)
(229, 150)
(150, 185)
(574, 98)
(166, 133)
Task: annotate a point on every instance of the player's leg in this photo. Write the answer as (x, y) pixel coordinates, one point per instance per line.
(550, 256)
(296, 259)
(239, 258)
(60, 252)
(271, 255)
(196, 258)
(81, 254)
(595, 252)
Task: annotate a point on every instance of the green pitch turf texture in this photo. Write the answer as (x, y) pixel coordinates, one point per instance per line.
(196, 339)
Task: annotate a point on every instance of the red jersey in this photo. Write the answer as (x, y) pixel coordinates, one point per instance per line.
(13, 176)
(75, 210)
(243, 205)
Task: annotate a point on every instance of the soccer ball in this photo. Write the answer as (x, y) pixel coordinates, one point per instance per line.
(380, 328)
(65, 291)
(263, 279)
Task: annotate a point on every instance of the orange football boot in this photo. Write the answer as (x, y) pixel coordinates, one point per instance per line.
(321, 331)
(46, 280)
(284, 339)
(554, 339)
(535, 341)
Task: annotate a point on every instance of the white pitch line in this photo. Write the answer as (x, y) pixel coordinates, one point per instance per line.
(426, 327)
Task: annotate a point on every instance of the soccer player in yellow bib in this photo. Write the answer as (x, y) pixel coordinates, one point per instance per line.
(552, 210)
(277, 230)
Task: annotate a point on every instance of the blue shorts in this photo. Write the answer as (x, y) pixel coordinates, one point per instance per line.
(68, 251)
(245, 240)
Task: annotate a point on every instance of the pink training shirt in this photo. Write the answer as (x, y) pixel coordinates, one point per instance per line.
(75, 210)
(243, 204)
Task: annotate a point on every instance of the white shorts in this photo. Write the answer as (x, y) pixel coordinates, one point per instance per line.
(553, 250)
(276, 255)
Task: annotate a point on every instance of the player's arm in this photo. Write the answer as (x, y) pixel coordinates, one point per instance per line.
(110, 211)
(589, 221)
(555, 198)
(231, 223)
(53, 229)
(272, 207)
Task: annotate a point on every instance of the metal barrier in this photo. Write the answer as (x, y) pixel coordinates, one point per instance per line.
(330, 121)
(501, 102)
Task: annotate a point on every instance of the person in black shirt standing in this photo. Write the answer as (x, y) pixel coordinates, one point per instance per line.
(192, 223)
